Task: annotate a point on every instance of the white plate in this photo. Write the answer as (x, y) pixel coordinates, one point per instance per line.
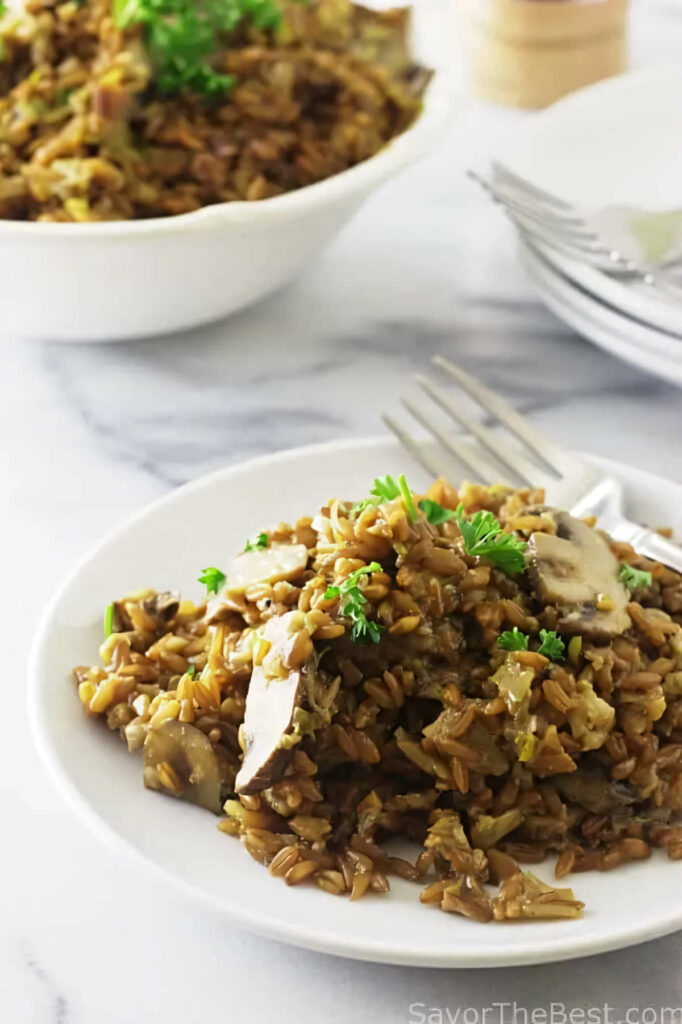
(166, 545)
(633, 298)
(615, 143)
(653, 351)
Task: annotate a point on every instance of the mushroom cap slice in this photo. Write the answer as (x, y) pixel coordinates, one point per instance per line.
(590, 787)
(269, 715)
(267, 565)
(576, 571)
(180, 760)
(162, 606)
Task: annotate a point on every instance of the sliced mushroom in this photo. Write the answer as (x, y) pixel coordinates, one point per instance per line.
(267, 565)
(591, 788)
(576, 571)
(120, 622)
(271, 703)
(180, 760)
(163, 606)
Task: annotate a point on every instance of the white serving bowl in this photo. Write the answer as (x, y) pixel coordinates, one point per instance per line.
(110, 281)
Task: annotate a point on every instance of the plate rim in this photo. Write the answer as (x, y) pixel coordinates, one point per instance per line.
(289, 932)
(586, 321)
(606, 290)
(646, 334)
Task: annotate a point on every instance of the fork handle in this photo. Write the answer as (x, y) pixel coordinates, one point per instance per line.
(646, 542)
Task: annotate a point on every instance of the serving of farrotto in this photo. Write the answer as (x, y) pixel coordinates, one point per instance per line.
(475, 672)
(123, 109)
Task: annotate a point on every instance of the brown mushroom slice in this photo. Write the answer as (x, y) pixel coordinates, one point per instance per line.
(271, 703)
(162, 606)
(576, 571)
(590, 787)
(267, 565)
(179, 760)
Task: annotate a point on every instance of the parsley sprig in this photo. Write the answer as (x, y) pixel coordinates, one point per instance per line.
(109, 619)
(484, 538)
(435, 513)
(352, 605)
(513, 640)
(552, 646)
(213, 579)
(182, 36)
(407, 498)
(634, 578)
(257, 543)
(387, 488)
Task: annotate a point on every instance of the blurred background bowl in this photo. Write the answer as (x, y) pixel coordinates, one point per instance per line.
(127, 279)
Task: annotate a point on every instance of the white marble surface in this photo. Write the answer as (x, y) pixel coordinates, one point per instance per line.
(92, 433)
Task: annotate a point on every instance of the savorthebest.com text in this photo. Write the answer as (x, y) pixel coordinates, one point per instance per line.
(552, 1013)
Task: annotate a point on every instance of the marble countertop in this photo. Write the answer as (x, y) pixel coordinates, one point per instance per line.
(91, 433)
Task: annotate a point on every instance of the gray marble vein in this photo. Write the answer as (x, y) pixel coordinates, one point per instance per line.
(58, 1007)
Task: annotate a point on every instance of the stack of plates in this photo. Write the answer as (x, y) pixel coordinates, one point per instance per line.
(616, 143)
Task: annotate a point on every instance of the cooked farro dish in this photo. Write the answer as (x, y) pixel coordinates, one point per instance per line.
(120, 109)
(475, 672)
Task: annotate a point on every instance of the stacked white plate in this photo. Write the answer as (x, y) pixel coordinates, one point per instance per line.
(618, 143)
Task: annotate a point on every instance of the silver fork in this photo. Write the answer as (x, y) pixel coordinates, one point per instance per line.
(518, 453)
(563, 227)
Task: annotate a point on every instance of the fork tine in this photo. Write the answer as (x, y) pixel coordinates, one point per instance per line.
(585, 248)
(590, 253)
(529, 207)
(575, 243)
(528, 187)
(550, 454)
(561, 232)
(512, 461)
(564, 236)
(483, 472)
(413, 447)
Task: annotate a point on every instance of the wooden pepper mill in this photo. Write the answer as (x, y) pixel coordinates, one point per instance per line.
(528, 53)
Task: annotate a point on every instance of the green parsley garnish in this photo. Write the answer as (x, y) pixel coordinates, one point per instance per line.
(258, 542)
(484, 538)
(109, 619)
(634, 578)
(3, 8)
(191, 671)
(181, 37)
(213, 579)
(385, 488)
(360, 506)
(552, 646)
(407, 498)
(434, 512)
(352, 604)
(513, 640)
